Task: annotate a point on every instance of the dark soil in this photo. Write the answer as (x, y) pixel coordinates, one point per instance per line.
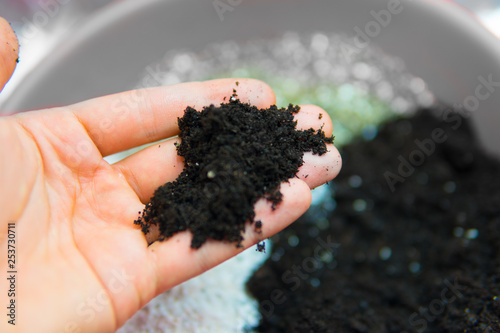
(424, 258)
(234, 154)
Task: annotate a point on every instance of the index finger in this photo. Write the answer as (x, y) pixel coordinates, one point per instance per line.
(126, 120)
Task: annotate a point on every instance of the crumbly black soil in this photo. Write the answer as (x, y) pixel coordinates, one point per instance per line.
(234, 154)
(437, 276)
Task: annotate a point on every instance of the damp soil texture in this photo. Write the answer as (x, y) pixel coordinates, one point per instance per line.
(234, 154)
(424, 257)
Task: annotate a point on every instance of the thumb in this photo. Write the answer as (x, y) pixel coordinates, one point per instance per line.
(9, 50)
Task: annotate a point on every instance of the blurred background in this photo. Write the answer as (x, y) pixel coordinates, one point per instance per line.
(48, 20)
(20, 12)
(59, 15)
(40, 24)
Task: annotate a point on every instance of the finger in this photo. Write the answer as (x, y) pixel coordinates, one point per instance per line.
(151, 167)
(9, 50)
(164, 165)
(130, 119)
(316, 169)
(187, 262)
(312, 116)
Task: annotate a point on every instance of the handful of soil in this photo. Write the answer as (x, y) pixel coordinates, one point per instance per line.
(234, 154)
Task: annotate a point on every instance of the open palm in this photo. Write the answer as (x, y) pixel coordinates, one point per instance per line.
(83, 266)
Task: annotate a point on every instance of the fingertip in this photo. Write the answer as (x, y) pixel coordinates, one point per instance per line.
(318, 170)
(9, 50)
(256, 92)
(296, 200)
(312, 116)
(252, 91)
(296, 193)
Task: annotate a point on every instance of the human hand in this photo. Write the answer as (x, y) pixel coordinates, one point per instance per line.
(82, 265)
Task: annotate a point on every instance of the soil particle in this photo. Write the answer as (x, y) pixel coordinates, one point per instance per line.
(234, 154)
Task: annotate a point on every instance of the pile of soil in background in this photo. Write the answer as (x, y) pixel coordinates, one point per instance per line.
(424, 258)
(234, 154)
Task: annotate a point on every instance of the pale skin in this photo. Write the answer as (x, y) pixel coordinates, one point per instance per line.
(82, 265)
